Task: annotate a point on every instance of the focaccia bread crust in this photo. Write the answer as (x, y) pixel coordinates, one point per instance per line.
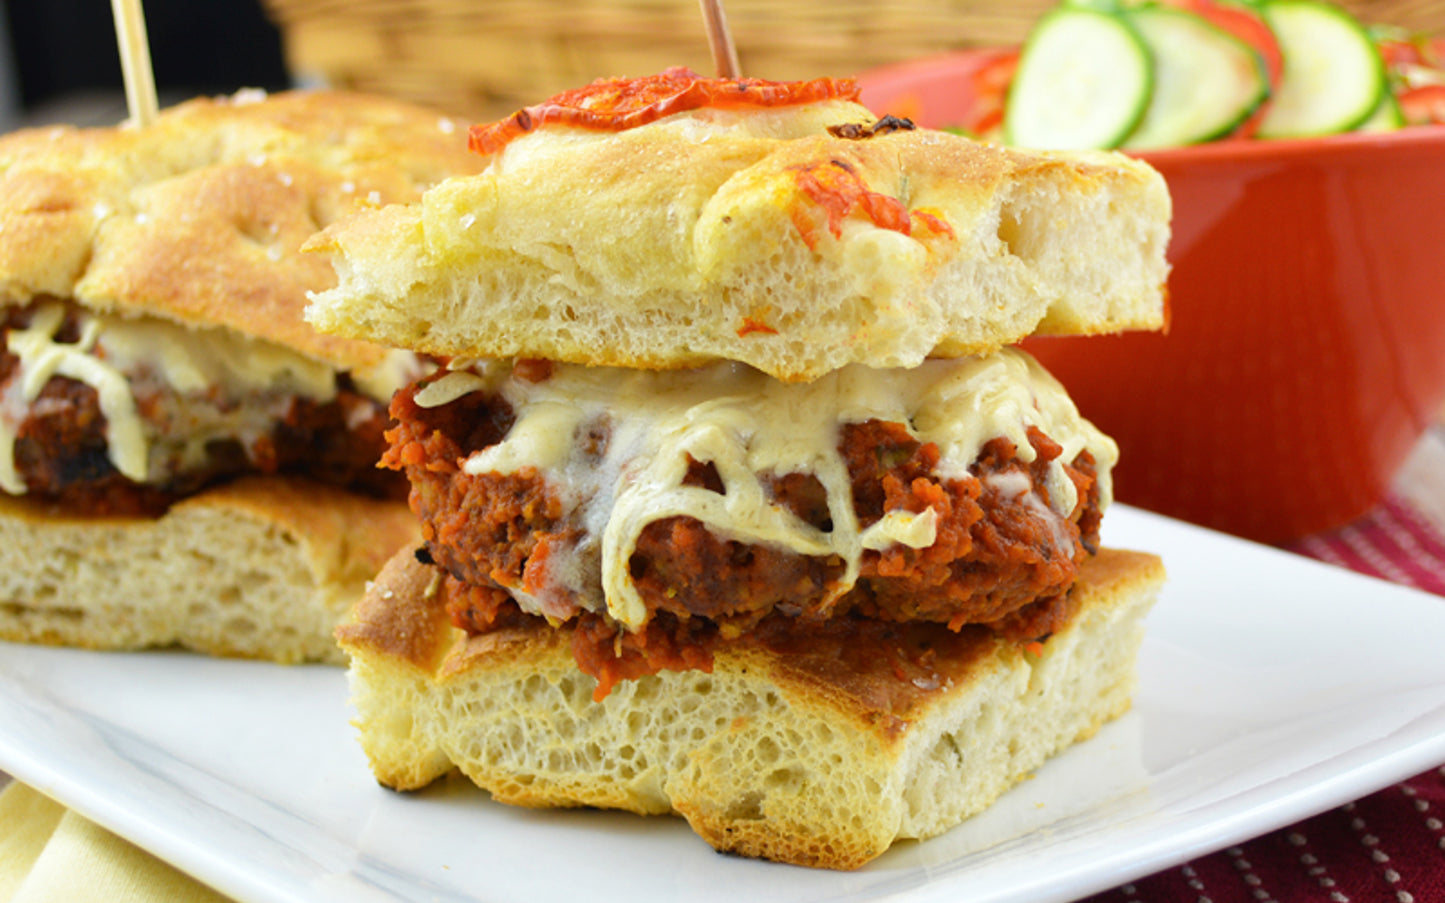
(198, 217)
(756, 236)
(260, 568)
(794, 757)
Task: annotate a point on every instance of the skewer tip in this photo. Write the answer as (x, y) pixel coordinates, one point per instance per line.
(720, 39)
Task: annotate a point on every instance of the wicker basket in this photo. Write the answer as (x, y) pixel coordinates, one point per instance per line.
(485, 58)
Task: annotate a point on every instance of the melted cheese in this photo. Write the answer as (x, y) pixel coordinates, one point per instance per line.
(695, 126)
(112, 352)
(751, 427)
(40, 359)
(399, 368)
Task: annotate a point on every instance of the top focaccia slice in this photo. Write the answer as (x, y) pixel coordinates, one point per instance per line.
(198, 217)
(769, 236)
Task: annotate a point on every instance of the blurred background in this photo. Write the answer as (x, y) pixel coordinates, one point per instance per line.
(59, 62)
(483, 58)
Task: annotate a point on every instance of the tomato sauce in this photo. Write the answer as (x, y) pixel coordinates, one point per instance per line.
(836, 187)
(994, 562)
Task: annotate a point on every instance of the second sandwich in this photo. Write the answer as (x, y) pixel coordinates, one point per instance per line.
(183, 461)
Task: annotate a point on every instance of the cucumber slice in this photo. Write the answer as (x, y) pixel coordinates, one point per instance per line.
(1334, 78)
(1083, 81)
(1387, 116)
(1206, 81)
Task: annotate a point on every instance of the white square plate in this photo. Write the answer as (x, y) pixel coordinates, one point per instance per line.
(1271, 688)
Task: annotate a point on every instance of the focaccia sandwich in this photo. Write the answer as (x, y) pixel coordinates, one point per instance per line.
(183, 460)
(735, 504)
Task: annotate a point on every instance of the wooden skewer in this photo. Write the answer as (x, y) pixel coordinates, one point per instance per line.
(724, 53)
(135, 61)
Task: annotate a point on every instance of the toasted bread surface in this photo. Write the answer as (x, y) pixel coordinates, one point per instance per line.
(786, 757)
(198, 217)
(261, 568)
(757, 237)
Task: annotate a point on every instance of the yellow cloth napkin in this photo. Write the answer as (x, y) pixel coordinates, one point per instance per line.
(51, 855)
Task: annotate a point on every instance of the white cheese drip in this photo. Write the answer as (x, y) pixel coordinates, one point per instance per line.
(397, 369)
(917, 530)
(42, 358)
(112, 351)
(751, 427)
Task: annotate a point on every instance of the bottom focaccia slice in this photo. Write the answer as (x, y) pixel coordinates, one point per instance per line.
(264, 567)
(813, 750)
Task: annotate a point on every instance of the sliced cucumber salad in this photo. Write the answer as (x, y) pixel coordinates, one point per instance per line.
(1334, 77)
(1158, 73)
(1084, 81)
(1207, 82)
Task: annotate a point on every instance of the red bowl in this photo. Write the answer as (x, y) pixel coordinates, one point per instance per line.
(1306, 350)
